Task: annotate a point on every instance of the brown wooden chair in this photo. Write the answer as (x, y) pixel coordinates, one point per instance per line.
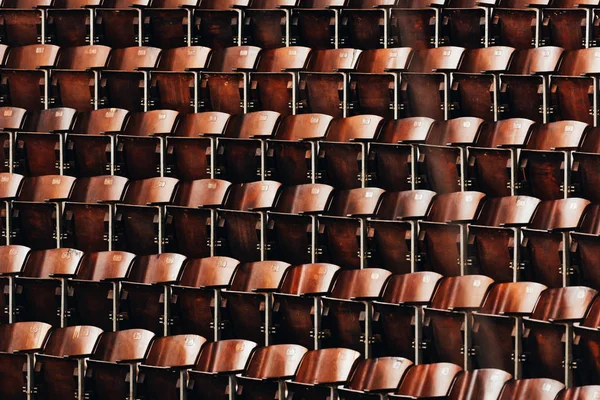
(10, 186)
(22, 21)
(70, 22)
(374, 377)
(12, 261)
(427, 381)
(465, 23)
(314, 23)
(586, 347)
(515, 22)
(562, 17)
(585, 162)
(539, 389)
(416, 24)
(169, 23)
(267, 23)
(12, 119)
(117, 23)
(218, 24)
(365, 24)
(579, 393)
(583, 247)
(484, 384)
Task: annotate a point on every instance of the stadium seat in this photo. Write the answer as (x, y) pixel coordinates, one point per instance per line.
(583, 171)
(479, 384)
(267, 23)
(540, 389)
(13, 260)
(219, 24)
(584, 243)
(119, 23)
(586, 347)
(579, 393)
(416, 24)
(427, 381)
(70, 23)
(23, 22)
(365, 24)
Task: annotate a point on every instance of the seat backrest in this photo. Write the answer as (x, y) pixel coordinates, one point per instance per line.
(12, 258)
(75, 3)
(512, 298)
(332, 60)
(379, 374)
(46, 187)
(103, 120)
(172, 4)
(204, 123)
(458, 206)
(83, 57)
(564, 304)
(303, 126)
(409, 204)
(360, 283)
(222, 5)
(559, 214)
(151, 122)
(579, 62)
(51, 262)
(592, 319)
(23, 336)
(133, 58)
(209, 271)
(175, 351)
(105, 265)
(10, 185)
(307, 198)
(321, 3)
(537, 388)
(259, 275)
(367, 4)
(309, 279)
(271, 4)
(258, 195)
(556, 135)
(463, 130)
(52, 119)
(428, 380)
(230, 59)
(202, 193)
(150, 191)
(580, 393)
(406, 130)
(98, 188)
(72, 341)
(461, 292)
(12, 118)
(25, 4)
(380, 61)
(363, 127)
(507, 132)
(278, 361)
(125, 3)
(157, 268)
(184, 58)
(438, 59)
(480, 384)
(509, 210)
(487, 59)
(258, 123)
(127, 345)
(413, 288)
(32, 56)
(535, 61)
(225, 356)
(283, 58)
(590, 223)
(355, 202)
(591, 141)
(327, 366)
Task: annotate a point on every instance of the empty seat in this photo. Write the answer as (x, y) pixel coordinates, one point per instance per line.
(516, 23)
(579, 393)
(23, 21)
(219, 24)
(479, 384)
(13, 260)
(465, 23)
(169, 23)
(584, 242)
(10, 186)
(267, 23)
(562, 17)
(365, 24)
(427, 380)
(11, 120)
(585, 164)
(541, 389)
(375, 375)
(416, 24)
(118, 23)
(315, 23)
(586, 342)
(70, 23)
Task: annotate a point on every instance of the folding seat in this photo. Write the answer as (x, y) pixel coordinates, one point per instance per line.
(365, 24)
(23, 22)
(416, 24)
(25, 76)
(316, 23)
(36, 212)
(141, 145)
(392, 232)
(274, 85)
(249, 301)
(89, 148)
(76, 77)
(124, 82)
(168, 24)
(546, 242)
(224, 84)
(191, 220)
(476, 84)
(443, 235)
(342, 236)
(465, 23)
(219, 24)
(174, 85)
(167, 362)
(139, 220)
(548, 335)
(585, 164)
(565, 24)
(13, 259)
(242, 223)
(539, 389)
(196, 298)
(427, 381)
(324, 86)
(147, 291)
(443, 160)
(11, 120)
(18, 344)
(112, 368)
(267, 23)
(267, 370)
(587, 341)
(498, 325)
(119, 23)
(297, 304)
(70, 23)
(195, 134)
(10, 186)
(479, 384)
(448, 320)
(95, 291)
(572, 93)
(517, 23)
(241, 149)
(583, 250)
(39, 148)
(41, 289)
(495, 236)
(393, 156)
(425, 88)
(292, 224)
(320, 372)
(524, 90)
(399, 313)
(373, 377)
(545, 162)
(348, 310)
(88, 216)
(213, 376)
(374, 85)
(493, 159)
(579, 393)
